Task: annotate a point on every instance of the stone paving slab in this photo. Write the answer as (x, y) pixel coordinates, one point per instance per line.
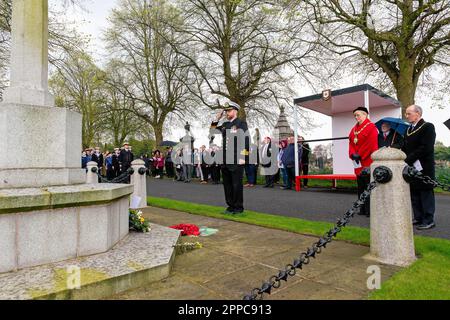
(138, 259)
(241, 256)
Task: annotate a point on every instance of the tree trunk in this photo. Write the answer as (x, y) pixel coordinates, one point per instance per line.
(405, 85)
(406, 95)
(158, 131)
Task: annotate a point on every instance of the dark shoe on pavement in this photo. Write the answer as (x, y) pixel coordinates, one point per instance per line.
(426, 226)
(228, 211)
(416, 222)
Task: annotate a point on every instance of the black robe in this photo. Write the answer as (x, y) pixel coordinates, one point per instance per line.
(419, 145)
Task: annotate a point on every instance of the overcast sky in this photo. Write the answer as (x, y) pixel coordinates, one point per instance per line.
(95, 21)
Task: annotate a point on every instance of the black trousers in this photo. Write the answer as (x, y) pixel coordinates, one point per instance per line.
(215, 173)
(363, 182)
(233, 186)
(424, 206)
(276, 177)
(305, 171)
(270, 180)
(169, 169)
(205, 172)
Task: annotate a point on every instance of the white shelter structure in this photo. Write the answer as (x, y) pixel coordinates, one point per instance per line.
(339, 105)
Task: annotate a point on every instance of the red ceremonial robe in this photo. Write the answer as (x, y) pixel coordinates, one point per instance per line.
(366, 145)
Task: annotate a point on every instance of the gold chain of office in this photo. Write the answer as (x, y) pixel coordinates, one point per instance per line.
(356, 133)
(409, 133)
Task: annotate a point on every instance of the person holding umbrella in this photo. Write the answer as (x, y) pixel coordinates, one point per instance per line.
(389, 137)
(363, 142)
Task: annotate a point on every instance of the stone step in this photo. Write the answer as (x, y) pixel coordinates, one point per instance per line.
(139, 259)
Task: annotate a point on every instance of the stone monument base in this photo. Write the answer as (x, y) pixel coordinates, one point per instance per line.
(42, 146)
(45, 225)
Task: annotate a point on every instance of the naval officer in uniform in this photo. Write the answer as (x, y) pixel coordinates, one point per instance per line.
(235, 149)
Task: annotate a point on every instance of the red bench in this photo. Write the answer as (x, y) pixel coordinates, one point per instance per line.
(332, 177)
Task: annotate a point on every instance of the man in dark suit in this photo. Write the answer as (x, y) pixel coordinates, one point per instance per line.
(115, 162)
(126, 157)
(419, 148)
(304, 165)
(236, 143)
(388, 137)
(97, 156)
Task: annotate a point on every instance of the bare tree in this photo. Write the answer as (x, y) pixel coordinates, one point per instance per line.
(77, 84)
(398, 40)
(118, 121)
(243, 52)
(157, 75)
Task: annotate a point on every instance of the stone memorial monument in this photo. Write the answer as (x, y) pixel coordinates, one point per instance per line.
(47, 211)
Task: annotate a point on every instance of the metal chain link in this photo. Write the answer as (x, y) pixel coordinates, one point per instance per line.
(123, 178)
(290, 270)
(411, 172)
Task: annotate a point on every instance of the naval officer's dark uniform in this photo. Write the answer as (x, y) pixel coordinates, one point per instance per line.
(232, 170)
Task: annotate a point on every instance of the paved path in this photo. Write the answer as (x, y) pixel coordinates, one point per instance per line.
(240, 257)
(312, 204)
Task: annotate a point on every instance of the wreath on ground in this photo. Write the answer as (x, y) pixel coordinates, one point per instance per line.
(137, 222)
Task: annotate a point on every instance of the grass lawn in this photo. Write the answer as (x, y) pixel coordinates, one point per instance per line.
(427, 278)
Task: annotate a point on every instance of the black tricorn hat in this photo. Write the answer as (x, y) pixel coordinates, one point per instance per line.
(363, 109)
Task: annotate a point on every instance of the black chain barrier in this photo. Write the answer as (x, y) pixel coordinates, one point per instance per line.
(381, 175)
(123, 178)
(410, 174)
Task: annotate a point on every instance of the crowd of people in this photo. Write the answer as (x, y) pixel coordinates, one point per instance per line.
(161, 164)
(364, 139)
(110, 164)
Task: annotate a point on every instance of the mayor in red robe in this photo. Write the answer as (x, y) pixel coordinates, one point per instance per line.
(363, 142)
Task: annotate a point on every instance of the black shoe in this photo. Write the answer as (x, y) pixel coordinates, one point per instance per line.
(238, 211)
(416, 222)
(228, 211)
(426, 226)
(286, 188)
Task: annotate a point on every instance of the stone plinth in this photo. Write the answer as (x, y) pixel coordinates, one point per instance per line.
(91, 177)
(140, 184)
(40, 226)
(137, 260)
(43, 146)
(391, 230)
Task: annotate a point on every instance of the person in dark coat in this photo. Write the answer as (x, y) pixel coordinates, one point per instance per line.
(266, 162)
(419, 148)
(109, 166)
(204, 165)
(288, 161)
(388, 137)
(215, 168)
(169, 163)
(304, 166)
(126, 157)
(97, 156)
(116, 163)
(236, 145)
